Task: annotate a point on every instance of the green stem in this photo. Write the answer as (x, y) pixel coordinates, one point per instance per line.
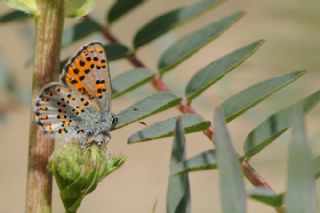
(49, 25)
(280, 209)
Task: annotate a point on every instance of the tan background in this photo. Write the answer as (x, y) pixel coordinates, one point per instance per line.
(291, 29)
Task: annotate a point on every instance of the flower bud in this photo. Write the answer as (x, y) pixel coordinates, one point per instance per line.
(28, 6)
(78, 8)
(78, 170)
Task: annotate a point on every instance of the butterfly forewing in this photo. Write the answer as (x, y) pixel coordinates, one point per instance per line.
(87, 72)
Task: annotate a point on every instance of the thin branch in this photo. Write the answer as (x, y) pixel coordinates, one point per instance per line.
(185, 108)
(49, 27)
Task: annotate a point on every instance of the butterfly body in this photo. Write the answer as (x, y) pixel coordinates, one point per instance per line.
(79, 107)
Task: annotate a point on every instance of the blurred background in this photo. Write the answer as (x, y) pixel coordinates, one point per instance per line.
(291, 30)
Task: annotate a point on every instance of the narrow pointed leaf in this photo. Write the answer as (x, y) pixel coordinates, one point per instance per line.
(178, 194)
(316, 164)
(117, 51)
(191, 43)
(217, 69)
(121, 8)
(166, 128)
(113, 51)
(80, 30)
(300, 194)
(248, 98)
(146, 107)
(130, 80)
(266, 196)
(162, 24)
(6, 78)
(203, 161)
(233, 195)
(275, 125)
(15, 15)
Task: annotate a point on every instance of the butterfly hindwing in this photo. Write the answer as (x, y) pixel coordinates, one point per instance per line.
(87, 72)
(59, 109)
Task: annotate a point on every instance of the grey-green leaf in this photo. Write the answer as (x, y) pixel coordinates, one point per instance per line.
(300, 194)
(178, 194)
(166, 128)
(162, 24)
(266, 132)
(79, 31)
(217, 69)
(130, 80)
(266, 196)
(316, 165)
(146, 107)
(117, 51)
(248, 98)
(15, 15)
(191, 43)
(7, 79)
(122, 7)
(232, 191)
(203, 161)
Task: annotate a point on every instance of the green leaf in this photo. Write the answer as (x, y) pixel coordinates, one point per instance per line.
(316, 164)
(248, 98)
(266, 196)
(162, 24)
(122, 7)
(275, 125)
(113, 51)
(203, 161)
(27, 6)
(190, 123)
(146, 107)
(6, 78)
(130, 80)
(300, 194)
(14, 16)
(191, 43)
(79, 31)
(78, 8)
(178, 194)
(233, 195)
(217, 69)
(117, 51)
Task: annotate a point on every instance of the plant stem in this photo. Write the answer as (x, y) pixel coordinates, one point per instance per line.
(185, 108)
(49, 25)
(254, 178)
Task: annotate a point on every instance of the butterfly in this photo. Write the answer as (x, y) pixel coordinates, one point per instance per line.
(79, 106)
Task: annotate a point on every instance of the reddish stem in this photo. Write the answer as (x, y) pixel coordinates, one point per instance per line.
(159, 84)
(185, 108)
(254, 178)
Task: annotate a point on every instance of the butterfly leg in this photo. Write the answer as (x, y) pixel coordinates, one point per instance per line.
(114, 121)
